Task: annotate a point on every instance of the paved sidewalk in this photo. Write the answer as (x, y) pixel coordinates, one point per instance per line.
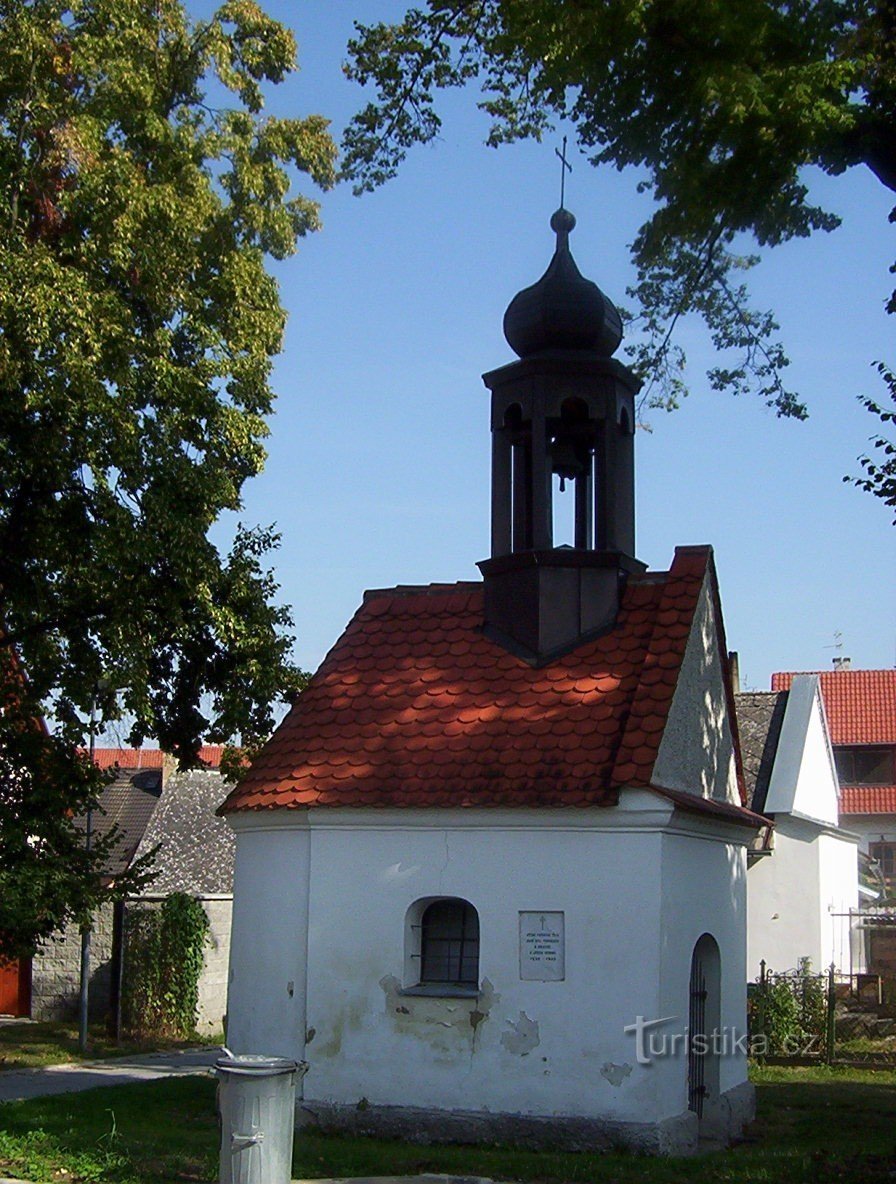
(17, 1084)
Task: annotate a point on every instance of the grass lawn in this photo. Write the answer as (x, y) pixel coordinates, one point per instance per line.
(814, 1125)
(30, 1046)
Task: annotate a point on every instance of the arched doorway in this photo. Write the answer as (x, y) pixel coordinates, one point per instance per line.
(704, 1019)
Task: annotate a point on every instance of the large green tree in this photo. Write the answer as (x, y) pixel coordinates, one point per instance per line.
(719, 106)
(141, 191)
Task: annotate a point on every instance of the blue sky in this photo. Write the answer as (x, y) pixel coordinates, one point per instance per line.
(379, 451)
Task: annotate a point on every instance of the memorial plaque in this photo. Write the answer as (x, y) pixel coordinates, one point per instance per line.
(542, 949)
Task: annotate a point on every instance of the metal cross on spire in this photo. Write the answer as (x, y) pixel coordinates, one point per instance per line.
(565, 167)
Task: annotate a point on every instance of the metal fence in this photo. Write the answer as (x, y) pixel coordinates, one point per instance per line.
(806, 1017)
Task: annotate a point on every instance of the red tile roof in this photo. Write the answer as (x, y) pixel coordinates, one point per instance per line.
(860, 705)
(150, 758)
(868, 799)
(415, 706)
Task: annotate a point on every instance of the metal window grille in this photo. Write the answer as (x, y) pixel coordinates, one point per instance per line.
(697, 1027)
(449, 943)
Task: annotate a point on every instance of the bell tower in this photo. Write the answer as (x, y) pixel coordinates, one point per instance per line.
(564, 410)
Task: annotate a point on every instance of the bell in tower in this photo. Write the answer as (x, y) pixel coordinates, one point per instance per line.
(564, 410)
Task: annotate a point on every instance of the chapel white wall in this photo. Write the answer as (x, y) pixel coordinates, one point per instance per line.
(704, 891)
(266, 990)
(532, 1047)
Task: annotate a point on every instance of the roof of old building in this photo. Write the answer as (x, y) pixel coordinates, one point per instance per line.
(127, 803)
(196, 846)
(860, 705)
(416, 706)
(759, 718)
(150, 758)
(868, 799)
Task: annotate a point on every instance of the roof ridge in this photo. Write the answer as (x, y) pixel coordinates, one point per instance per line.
(831, 671)
(417, 589)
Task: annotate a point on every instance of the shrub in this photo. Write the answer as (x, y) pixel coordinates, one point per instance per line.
(164, 956)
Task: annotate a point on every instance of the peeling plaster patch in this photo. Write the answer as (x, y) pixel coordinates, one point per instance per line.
(522, 1036)
(447, 1023)
(615, 1074)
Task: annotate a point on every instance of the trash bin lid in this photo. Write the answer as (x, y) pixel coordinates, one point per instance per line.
(249, 1063)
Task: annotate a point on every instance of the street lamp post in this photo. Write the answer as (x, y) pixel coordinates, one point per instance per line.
(84, 994)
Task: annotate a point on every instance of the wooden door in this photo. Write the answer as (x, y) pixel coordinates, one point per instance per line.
(15, 987)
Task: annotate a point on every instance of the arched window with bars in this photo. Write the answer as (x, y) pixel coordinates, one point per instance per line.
(446, 937)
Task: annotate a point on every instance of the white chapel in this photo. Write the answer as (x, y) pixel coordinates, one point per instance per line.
(491, 869)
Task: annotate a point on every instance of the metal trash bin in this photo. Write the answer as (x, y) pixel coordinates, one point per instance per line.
(256, 1096)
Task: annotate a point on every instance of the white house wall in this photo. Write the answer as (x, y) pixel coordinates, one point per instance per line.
(525, 1047)
(784, 920)
(838, 893)
(871, 828)
(797, 896)
(697, 749)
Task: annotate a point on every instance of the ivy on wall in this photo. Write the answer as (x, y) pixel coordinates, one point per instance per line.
(164, 956)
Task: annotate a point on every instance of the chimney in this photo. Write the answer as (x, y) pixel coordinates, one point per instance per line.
(842, 663)
(734, 671)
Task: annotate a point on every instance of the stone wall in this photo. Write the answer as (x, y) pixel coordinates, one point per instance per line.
(212, 1002)
(56, 972)
(213, 983)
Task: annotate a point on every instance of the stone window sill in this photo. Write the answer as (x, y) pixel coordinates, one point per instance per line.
(441, 991)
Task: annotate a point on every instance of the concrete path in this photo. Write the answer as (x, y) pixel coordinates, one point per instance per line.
(17, 1084)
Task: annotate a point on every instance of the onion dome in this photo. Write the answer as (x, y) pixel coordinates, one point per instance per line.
(563, 310)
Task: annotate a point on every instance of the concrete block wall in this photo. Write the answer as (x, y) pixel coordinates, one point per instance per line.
(213, 983)
(56, 972)
(56, 969)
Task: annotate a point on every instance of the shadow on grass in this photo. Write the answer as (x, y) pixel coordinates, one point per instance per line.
(31, 1046)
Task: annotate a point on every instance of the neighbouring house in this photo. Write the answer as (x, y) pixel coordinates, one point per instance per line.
(492, 865)
(153, 805)
(127, 803)
(196, 857)
(861, 712)
(803, 885)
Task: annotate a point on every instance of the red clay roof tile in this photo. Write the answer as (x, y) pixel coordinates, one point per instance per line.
(150, 758)
(860, 705)
(868, 799)
(415, 706)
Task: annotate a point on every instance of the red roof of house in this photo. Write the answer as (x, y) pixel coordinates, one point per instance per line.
(868, 799)
(416, 706)
(150, 758)
(860, 705)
